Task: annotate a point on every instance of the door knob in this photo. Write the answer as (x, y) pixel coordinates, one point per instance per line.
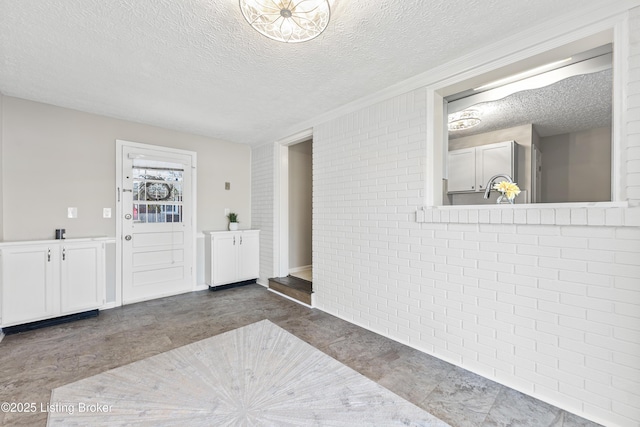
(127, 237)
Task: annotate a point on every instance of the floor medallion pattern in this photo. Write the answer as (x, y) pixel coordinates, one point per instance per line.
(258, 375)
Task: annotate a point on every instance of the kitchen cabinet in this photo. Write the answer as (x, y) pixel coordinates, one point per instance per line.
(462, 170)
(471, 168)
(82, 277)
(43, 280)
(28, 292)
(231, 256)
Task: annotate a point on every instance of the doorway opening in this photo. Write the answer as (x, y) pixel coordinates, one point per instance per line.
(300, 214)
(294, 272)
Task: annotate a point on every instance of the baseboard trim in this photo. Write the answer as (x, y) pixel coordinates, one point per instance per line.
(109, 305)
(201, 287)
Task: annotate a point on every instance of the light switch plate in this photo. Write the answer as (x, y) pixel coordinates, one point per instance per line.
(226, 211)
(72, 212)
(106, 213)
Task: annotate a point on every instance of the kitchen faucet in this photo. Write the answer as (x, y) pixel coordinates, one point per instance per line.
(490, 183)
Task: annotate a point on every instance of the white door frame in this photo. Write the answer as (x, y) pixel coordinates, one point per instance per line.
(119, 215)
(281, 218)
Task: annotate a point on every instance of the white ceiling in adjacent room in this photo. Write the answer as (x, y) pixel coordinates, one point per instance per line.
(197, 66)
(574, 104)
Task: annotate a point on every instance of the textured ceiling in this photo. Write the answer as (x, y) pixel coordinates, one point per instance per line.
(197, 66)
(571, 105)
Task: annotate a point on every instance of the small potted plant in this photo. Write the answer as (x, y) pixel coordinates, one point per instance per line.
(233, 221)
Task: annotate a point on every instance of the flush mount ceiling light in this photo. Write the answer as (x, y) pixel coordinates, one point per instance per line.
(288, 21)
(463, 120)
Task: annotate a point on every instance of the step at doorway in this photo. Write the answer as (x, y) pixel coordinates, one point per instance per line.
(293, 287)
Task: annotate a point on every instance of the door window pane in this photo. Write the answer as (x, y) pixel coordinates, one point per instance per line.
(157, 194)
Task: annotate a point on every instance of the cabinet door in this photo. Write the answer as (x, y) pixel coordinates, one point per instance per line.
(224, 259)
(28, 288)
(493, 159)
(82, 277)
(249, 256)
(462, 170)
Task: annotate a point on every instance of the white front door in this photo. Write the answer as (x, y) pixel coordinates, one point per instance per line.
(156, 222)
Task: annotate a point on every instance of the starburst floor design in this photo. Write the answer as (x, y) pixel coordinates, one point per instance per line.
(256, 375)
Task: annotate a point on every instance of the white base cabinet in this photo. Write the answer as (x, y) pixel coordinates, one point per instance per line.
(44, 280)
(82, 277)
(28, 292)
(231, 256)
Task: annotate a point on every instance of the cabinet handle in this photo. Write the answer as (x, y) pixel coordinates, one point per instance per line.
(473, 187)
(48, 255)
(240, 239)
(234, 240)
(64, 253)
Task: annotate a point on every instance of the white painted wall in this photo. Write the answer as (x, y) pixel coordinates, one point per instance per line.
(54, 158)
(577, 166)
(546, 300)
(300, 215)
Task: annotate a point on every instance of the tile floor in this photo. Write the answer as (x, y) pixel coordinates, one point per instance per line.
(32, 363)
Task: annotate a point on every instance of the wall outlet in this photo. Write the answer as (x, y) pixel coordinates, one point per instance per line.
(106, 213)
(72, 212)
(226, 211)
(227, 186)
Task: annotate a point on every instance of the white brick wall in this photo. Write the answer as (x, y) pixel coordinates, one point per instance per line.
(262, 206)
(543, 300)
(368, 168)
